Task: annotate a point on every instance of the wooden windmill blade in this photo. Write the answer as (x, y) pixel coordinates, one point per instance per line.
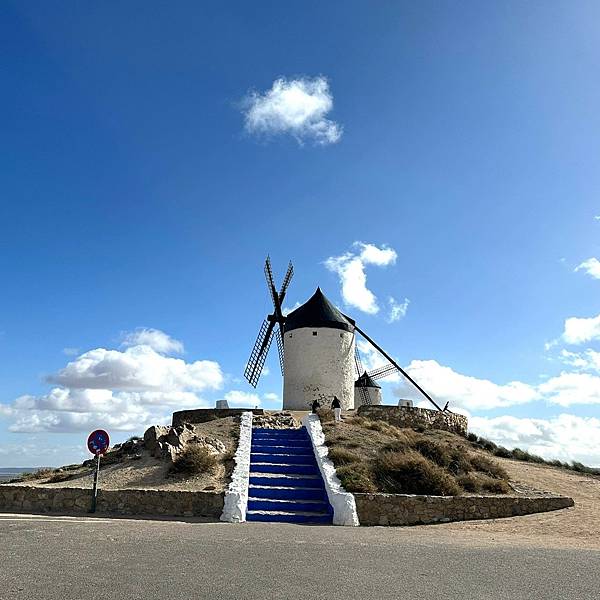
(280, 351)
(258, 356)
(358, 362)
(286, 282)
(270, 283)
(384, 371)
(365, 396)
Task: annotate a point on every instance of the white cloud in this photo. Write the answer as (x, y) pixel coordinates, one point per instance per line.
(70, 351)
(568, 389)
(565, 437)
(294, 106)
(155, 338)
(286, 310)
(462, 391)
(236, 398)
(591, 266)
(597, 217)
(121, 390)
(67, 410)
(350, 268)
(271, 397)
(585, 361)
(397, 310)
(473, 394)
(581, 330)
(137, 368)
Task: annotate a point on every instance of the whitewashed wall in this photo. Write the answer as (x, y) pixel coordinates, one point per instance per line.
(374, 395)
(318, 366)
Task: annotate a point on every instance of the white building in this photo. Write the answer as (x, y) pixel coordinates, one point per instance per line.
(366, 391)
(319, 355)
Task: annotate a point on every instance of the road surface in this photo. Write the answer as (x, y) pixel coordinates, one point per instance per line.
(96, 558)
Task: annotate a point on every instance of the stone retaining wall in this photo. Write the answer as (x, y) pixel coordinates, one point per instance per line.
(202, 415)
(408, 416)
(400, 509)
(172, 503)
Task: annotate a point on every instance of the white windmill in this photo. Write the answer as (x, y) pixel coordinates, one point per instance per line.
(317, 353)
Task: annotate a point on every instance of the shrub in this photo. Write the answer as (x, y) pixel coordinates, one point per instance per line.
(478, 482)
(39, 474)
(468, 482)
(502, 452)
(436, 452)
(326, 415)
(60, 476)
(489, 467)
(411, 473)
(341, 456)
(495, 486)
(356, 477)
(472, 437)
(195, 460)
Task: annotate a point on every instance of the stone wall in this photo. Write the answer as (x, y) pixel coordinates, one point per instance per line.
(400, 509)
(38, 499)
(203, 415)
(403, 416)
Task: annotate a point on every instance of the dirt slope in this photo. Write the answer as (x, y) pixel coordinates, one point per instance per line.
(576, 527)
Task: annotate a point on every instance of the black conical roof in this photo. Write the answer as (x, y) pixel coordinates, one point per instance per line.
(318, 311)
(365, 381)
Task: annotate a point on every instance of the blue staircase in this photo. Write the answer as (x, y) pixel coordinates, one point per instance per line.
(285, 482)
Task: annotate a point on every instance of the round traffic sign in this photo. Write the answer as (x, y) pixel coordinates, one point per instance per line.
(98, 442)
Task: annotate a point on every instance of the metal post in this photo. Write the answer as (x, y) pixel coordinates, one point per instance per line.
(95, 488)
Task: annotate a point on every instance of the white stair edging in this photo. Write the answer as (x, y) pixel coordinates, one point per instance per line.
(343, 503)
(236, 496)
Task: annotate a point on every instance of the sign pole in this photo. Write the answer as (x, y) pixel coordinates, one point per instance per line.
(98, 443)
(95, 488)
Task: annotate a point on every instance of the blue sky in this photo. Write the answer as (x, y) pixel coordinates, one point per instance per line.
(151, 160)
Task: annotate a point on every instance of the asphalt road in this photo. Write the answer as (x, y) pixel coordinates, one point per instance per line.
(79, 558)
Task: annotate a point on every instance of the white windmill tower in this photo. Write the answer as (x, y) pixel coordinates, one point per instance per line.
(320, 360)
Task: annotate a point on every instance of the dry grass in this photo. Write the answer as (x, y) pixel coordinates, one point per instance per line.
(195, 460)
(372, 455)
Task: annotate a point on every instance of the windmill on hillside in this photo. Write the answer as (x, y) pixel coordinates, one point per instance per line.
(317, 352)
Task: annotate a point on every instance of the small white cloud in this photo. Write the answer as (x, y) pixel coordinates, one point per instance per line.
(154, 338)
(70, 351)
(295, 106)
(597, 217)
(581, 330)
(565, 437)
(584, 361)
(591, 266)
(287, 310)
(236, 398)
(271, 397)
(350, 268)
(397, 310)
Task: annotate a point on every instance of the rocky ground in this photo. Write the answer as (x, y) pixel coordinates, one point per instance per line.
(147, 463)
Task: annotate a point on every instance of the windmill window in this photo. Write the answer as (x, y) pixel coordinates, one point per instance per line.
(314, 333)
(290, 335)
